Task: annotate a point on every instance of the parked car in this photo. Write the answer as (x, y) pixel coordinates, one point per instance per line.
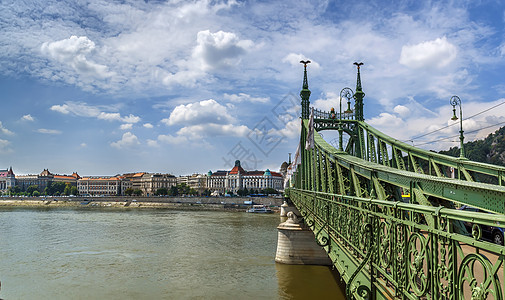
(492, 233)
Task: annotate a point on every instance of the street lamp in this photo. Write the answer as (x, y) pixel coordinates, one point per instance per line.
(456, 101)
(348, 94)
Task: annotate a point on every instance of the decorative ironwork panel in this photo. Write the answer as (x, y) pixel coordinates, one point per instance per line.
(392, 247)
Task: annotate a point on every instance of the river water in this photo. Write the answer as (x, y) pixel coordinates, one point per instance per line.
(149, 254)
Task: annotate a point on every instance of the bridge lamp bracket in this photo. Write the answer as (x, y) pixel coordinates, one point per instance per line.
(454, 117)
(348, 94)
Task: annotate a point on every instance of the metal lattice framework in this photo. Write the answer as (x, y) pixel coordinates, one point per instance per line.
(386, 214)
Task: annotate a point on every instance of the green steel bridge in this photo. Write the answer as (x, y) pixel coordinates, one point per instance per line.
(389, 214)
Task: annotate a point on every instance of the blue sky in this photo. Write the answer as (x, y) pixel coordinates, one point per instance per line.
(102, 87)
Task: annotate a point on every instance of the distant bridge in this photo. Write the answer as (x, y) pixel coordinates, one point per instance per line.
(386, 212)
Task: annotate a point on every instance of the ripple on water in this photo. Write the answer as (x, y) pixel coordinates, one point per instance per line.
(137, 254)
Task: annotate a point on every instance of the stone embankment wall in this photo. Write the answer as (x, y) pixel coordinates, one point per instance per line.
(186, 203)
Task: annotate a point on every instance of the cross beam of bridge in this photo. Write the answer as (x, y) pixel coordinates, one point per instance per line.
(391, 216)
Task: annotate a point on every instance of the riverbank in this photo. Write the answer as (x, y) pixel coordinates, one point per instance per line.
(182, 203)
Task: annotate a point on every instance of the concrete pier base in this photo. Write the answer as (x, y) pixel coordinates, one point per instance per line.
(285, 208)
(297, 245)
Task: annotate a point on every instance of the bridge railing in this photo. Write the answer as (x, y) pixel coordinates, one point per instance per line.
(388, 248)
(321, 114)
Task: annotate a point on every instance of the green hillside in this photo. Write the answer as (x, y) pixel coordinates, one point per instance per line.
(489, 150)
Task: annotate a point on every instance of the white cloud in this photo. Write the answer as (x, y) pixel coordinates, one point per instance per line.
(200, 120)
(294, 60)
(152, 143)
(291, 130)
(170, 139)
(77, 108)
(109, 116)
(386, 119)
(84, 110)
(117, 117)
(83, 145)
(220, 49)
(332, 100)
(48, 131)
(212, 130)
(128, 140)
(401, 110)
(127, 126)
(73, 52)
(27, 118)
(5, 130)
(148, 125)
(437, 53)
(243, 97)
(131, 119)
(187, 78)
(205, 111)
(4, 146)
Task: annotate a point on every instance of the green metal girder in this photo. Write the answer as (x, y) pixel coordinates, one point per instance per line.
(485, 196)
(355, 129)
(449, 161)
(330, 177)
(435, 167)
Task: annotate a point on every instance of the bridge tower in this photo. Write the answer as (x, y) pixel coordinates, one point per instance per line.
(358, 96)
(358, 135)
(295, 241)
(305, 92)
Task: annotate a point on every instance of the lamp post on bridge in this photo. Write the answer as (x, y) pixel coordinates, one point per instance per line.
(456, 101)
(348, 94)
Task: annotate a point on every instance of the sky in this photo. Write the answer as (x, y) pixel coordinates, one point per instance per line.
(181, 87)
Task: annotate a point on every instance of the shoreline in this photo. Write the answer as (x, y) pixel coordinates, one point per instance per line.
(180, 203)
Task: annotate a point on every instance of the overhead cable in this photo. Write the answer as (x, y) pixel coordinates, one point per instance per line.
(450, 137)
(436, 130)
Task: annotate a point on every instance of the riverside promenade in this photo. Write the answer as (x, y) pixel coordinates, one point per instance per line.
(121, 202)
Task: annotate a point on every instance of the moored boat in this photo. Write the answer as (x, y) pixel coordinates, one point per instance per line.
(260, 209)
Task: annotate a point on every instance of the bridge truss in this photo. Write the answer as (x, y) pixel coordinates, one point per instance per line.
(386, 212)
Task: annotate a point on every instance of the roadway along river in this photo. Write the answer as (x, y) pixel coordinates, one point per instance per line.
(149, 254)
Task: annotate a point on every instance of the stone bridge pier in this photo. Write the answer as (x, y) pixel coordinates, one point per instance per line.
(296, 244)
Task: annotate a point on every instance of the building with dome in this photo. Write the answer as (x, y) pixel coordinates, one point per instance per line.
(238, 179)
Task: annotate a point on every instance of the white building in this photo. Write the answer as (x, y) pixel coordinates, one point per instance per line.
(99, 186)
(239, 179)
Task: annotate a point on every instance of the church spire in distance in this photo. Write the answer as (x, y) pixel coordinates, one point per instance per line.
(305, 93)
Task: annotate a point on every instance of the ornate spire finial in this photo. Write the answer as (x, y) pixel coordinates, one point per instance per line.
(305, 81)
(305, 93)
(358, 83)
